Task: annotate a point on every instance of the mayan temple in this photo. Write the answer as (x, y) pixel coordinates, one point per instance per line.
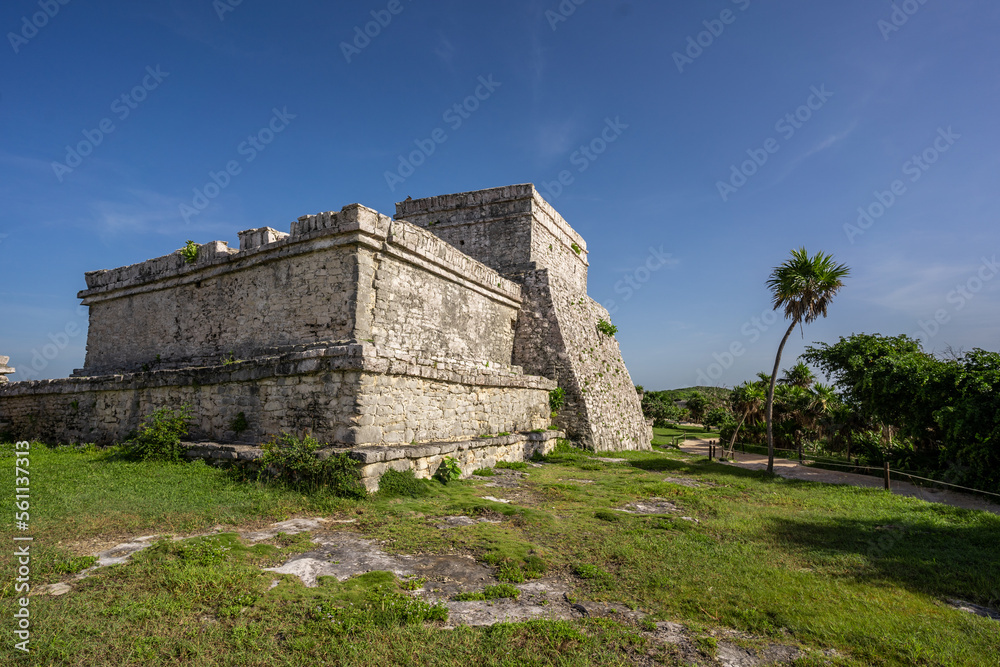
(402, 337)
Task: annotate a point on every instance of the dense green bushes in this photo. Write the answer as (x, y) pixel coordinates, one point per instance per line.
(159, 436)
(942, 414)
(296, 462)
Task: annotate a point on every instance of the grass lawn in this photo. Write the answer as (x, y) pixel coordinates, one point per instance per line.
(818, 566)
(668, 436)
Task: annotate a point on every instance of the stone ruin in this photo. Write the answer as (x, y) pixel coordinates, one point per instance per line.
(403, 337)
(5, 370)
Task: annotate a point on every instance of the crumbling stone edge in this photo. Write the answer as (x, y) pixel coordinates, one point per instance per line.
(422, 458)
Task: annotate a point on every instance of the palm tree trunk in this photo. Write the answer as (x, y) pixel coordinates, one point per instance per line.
(770, 398)
(732, 443)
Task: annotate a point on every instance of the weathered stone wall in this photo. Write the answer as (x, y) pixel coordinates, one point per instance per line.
(556, 332)
(5, 370)
(355, 327)
(423, 459)
(602, 410)
(457, 310)
(338, 277)
(344, 395)
(511, 229)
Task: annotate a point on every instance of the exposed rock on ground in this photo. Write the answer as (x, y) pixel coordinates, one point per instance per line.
(650, 506)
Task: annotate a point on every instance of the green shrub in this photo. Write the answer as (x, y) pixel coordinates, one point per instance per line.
(190, 252)
(294, 462)
(557, 398)
(448, 471)
(395, 484)
(484, 472)
(159, 436)
(606, 327)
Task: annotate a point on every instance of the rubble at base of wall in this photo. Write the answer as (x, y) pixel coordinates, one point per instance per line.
(422, 458)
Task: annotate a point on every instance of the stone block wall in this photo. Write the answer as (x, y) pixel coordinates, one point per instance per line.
(345, 395)
(338, 277)
(5, 370)
(602, 410)
(510, 229)
(556, 332)
(356, 328)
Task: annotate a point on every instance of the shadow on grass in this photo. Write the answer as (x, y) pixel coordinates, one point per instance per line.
(917, 550)
(700, 466)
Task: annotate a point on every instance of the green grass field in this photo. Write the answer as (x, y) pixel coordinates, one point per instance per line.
(817, 566)
(675, 434)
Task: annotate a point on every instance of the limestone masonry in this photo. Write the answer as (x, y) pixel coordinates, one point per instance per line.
(451, 321)
(5, 370)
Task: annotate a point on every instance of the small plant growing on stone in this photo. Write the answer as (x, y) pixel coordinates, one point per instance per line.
(231, 359)
(190, 252)
(414, 584)
(159, 436)
(239, 423)
(491, 593)
(557, 398)
(606, 328)
(575, 248)
(448, 471)
(484, 472)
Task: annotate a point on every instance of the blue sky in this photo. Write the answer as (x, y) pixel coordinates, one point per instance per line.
(820, 108)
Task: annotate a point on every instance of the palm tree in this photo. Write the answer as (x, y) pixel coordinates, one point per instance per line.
(825, 401)
(804, 287)
(798, 375)
(748, 400)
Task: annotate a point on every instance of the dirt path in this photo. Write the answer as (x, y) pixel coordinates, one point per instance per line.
(791, 469)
